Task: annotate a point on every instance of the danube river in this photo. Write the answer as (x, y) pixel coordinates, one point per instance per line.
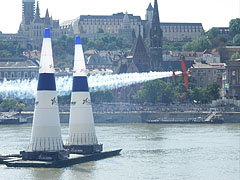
(150, 151)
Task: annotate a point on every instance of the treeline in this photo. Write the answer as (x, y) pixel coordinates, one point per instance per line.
(159, 91)
(107, 42)
(12, 105)
(214, 39)
(10, 49)
(63, 48)
(96, 97)
(65, 44)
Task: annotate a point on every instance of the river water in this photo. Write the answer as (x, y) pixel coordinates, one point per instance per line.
(150, 152)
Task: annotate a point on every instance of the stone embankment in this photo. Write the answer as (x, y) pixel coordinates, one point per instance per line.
(143, 116)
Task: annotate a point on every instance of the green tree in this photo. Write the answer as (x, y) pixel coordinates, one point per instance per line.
(234, 27)
(235, 56)
(134, 37)
(213, 91)
(198, 45)
(213, 33)
(9, 104)
(10, 49)
(19, 107)
(102, 96)
(155, 91)
(236, 40)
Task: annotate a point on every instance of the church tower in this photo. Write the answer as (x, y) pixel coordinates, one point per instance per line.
(149, 13)
(156, 41)
(28, 11)
(47, 19)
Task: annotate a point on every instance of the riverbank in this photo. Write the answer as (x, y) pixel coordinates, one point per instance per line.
(143, 116)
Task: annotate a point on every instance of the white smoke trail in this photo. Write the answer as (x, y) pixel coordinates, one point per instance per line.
(26, 89)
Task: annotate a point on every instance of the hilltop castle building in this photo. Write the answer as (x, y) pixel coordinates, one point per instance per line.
(31, 29)
(32, 25)
(120, 24)
(126, 25)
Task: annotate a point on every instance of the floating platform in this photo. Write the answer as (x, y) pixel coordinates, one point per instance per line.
(16, 160)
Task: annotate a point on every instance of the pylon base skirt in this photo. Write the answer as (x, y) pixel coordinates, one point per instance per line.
(84, 149)
(44, 155)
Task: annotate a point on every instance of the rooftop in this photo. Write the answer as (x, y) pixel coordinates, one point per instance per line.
(17, 63)
(202, 66)
(114, 16)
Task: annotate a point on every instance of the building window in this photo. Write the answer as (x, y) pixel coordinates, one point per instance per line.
(32, 74)
(12, 74)
(5, 75)
(233, 81)
(25, 74)
(19, 75)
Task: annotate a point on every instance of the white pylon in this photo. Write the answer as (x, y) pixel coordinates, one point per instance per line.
(46, 132)
(81, 123)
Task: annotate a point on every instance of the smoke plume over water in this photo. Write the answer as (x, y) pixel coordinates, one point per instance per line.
(26, 89)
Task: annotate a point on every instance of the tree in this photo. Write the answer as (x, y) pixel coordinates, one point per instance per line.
(213, 33)
(19, 107)
(235, 56)
(236, 40)
(9, 104)
(10, 49)
(101, 96)
(134, 35)
(198, 45)
(234, 27)
(213, 91)
(155, 91)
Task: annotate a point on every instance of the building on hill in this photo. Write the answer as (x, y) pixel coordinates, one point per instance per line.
(227, 52)
(173, 31)
(138, 59)
(148, 21)
(204, 74)
(139, 56)
(119, 24)
(233, 79)
(223, 30)
(210, 56)
(32, 25)
(92, 26)
(31, 29)
(18, 68)
(181, 31)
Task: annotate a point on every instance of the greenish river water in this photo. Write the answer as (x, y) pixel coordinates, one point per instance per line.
(150, 152)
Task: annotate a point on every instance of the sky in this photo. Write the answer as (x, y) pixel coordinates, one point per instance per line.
(211, 13)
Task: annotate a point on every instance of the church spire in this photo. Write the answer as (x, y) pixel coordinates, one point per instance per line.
(47, 19)
(47, 14)
(155, 13)
(37, 18)
(37, 15)
(156, 40)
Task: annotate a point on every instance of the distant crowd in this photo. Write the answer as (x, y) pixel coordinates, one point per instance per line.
(127, 107)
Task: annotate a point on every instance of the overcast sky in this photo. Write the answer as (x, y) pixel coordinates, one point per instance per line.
(211, 13)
